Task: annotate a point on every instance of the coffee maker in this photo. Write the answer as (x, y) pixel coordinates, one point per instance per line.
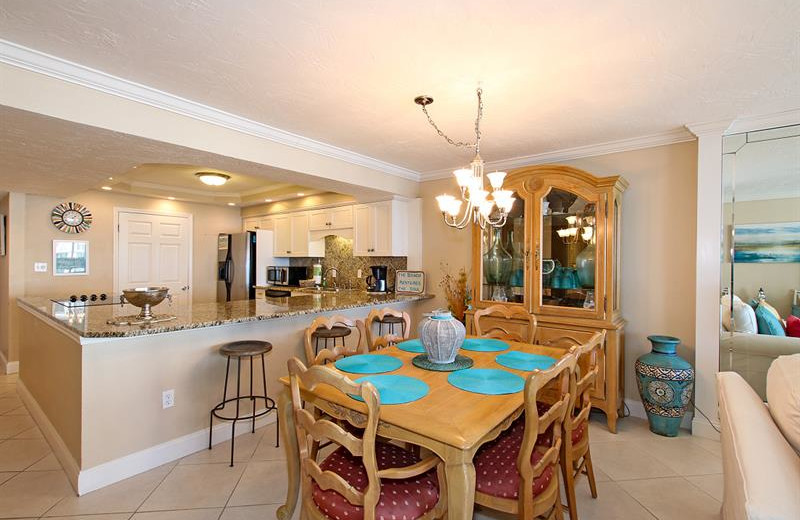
(376, 282)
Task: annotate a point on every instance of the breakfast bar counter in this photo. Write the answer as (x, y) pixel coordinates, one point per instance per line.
(97, 390)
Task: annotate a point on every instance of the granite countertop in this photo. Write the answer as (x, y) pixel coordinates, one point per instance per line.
(90, 322)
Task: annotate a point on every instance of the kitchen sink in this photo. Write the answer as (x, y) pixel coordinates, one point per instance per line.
(318, 290)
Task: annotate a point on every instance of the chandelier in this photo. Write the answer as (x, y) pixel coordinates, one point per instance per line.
(482, 207)
(579, 225)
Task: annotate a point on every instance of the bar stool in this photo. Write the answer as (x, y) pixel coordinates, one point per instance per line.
(331, 328)
(389, 317)
(238, 350)
(337, 331)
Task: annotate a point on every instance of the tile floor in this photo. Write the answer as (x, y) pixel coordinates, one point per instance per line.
(640, 476)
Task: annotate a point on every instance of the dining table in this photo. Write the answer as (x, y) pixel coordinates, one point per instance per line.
(448, 421)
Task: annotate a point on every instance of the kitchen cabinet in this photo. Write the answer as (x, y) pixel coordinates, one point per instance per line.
(291, 236)
(266, 223)
(380, 229)
(332, 218)
(250, 224)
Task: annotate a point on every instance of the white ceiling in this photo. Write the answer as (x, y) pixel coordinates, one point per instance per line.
(555, 74)
(47, 156)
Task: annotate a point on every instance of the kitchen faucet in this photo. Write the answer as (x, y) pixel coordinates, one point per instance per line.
(325, 276)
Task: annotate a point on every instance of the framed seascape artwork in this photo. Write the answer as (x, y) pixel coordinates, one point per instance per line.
(70, 257)
(777, 242)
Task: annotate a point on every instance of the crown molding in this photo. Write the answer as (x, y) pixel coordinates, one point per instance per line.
(765, 121)
(46, 64)
(678, 135)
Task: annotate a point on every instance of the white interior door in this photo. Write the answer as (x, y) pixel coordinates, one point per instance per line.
(153, 250)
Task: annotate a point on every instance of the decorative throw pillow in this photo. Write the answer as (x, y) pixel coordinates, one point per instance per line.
(793, 326)
(744, 317)
(768, 323)
(771, 309)
(783, 396)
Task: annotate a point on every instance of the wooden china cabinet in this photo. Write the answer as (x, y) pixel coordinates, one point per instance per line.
(558, 256)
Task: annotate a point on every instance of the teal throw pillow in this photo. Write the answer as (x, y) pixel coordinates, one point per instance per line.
(768, 323)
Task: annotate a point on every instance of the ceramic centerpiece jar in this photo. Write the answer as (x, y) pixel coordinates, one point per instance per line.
(441, 335)
(665, 382)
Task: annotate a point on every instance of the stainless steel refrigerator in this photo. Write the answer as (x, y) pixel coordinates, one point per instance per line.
(242, 264)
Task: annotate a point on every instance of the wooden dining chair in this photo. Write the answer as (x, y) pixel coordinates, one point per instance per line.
(326, 354)
(363, 477)
(503, 331)
(516, 474)
(576, 457)
(383, 316)
(389, 340)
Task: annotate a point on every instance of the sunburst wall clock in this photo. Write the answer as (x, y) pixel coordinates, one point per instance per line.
(71, 217)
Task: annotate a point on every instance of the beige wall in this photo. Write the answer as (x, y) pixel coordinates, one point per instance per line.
(658, 243)
(208, 222)
(12, 205)
(777, 279)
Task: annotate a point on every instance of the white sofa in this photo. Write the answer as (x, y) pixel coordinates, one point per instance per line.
(760, 465)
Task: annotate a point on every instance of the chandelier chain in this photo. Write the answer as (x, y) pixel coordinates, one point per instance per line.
(477, 143)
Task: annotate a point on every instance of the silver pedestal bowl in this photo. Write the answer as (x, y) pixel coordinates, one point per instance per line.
(144, 298)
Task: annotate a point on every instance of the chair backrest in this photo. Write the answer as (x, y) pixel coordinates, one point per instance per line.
(388, 340)
(338, 351)
(376, 315)
(499, 331)
(311, 429)
(558, 379)
(588, 366)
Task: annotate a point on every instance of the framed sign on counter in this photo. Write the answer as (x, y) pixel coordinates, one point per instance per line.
(409, 282)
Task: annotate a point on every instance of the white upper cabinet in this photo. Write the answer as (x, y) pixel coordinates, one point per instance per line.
(292, 238)
(250, 224)
(333, 218)
(380, 229)
(266, 223)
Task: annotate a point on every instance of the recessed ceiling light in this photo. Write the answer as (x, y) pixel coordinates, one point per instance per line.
(301, 194)
(267, 200)
(107, 188)
(212, 178)
(111, 178)
(171, 198)
(231, 204)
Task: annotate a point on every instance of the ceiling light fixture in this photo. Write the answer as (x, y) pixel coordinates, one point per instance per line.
(212, 178)
(171, 198)
(267, 200)
(301, 194)
(480, 203)
(231, 204)
(106, 188)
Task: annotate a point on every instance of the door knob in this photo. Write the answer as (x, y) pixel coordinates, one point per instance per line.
(185, 288)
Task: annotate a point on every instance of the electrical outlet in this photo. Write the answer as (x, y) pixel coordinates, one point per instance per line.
(167, 398)
(40, 267)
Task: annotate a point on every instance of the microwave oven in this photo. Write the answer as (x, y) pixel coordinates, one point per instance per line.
(288, 276)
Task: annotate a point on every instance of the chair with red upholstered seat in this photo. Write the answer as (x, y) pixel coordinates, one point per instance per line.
(576, 457)
(515, 473)
(363, 478)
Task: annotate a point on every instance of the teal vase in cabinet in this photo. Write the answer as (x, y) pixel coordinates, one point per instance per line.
(665, 382)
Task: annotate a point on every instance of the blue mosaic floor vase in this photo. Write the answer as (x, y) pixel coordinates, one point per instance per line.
(665, 382)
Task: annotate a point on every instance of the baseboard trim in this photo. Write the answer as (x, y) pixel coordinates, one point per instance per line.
(702, 428)
(9, 367)
(96, 477)
(637, 410)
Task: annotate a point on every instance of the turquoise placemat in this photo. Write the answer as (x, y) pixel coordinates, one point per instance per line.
(412, 345)
(395, 389)
(487, 381)
(524, 361)
(484, 345)
(368, 364)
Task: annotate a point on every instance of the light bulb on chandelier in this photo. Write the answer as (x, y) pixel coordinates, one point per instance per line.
(482, 207)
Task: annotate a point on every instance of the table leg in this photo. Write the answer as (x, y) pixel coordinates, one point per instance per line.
(286, 511)
(460, 474)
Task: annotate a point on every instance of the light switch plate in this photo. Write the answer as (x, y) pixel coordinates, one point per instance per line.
(40, 267)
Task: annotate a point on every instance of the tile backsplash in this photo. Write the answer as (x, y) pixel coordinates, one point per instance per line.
(339, 254)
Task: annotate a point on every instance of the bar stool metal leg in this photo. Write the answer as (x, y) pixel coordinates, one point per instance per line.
(224, 398)
(253, 399)
(238, 395)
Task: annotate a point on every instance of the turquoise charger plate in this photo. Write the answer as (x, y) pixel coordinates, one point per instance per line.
(485, 345)
(487, 381)
(412, 345)
(524, 361)
(395, 389)
(368, 364)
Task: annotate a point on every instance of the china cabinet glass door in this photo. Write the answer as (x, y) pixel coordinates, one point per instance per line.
(569, 279)
(503, 253)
